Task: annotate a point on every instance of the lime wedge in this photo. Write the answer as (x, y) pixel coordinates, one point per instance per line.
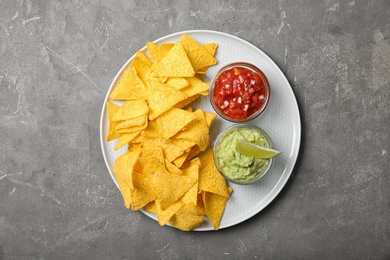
(255, 151)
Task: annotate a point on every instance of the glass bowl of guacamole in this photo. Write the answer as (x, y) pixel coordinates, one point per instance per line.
(235, 166)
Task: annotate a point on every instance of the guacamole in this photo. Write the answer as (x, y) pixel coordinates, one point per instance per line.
(235, 165)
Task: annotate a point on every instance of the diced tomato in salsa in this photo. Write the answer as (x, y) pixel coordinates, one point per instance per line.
(239, 93)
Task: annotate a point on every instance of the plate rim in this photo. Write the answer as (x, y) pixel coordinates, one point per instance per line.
(298, 128)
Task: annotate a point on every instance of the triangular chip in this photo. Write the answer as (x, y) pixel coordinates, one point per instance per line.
(196, 86)
(197, 54)
(125, 139)
(197, 131)
(175, 64)
(211, 47)
(171, 151)
(156, 52)
(131, 109)
(162, 98)
(214, 206)
(136, 121)
(133, 129)
(164, 215)
(187, 218)
(112, 109)
(210, 179)
(144, 191)
(172, 121)
(144, 72)
(142, 56)
(177, 83)
(210, 116)
(172, 187)
(192, 171)
(123, 169)
(130, 87)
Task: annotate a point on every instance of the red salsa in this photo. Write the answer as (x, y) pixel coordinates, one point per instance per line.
(239, 93)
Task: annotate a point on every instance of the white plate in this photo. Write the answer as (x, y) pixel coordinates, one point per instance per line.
(281, 121)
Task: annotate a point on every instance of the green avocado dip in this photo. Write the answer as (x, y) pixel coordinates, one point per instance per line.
(234, 164)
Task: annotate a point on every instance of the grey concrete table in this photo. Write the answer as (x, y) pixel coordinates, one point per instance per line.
(57, 60)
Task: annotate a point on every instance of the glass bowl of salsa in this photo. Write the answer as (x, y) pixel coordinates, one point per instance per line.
(235, 166)
(239, 92)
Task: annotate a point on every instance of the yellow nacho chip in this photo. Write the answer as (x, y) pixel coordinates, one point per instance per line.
(210, 116)
(172, 121)
(164, 215)
(197, 54)
(175, 64)
(177, 83)
(210, 179)
(197, 131)
(191, 196)
(136, 121)
(144, 72)
(125, 139)
(187, 218)
(142, 56)
(112, 109)
(130, 87)
(162, 98)
(131, 109)
(145, 190)
(156, 52)
(195, 86)
(211, 47)
(214, 205)
(132, 129)
(123, 169)
(151, 207)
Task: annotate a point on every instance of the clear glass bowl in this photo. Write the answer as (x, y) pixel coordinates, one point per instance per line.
(252, 68)
(258, 175)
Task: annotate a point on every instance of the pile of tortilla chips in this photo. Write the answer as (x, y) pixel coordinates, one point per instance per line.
(167, 169)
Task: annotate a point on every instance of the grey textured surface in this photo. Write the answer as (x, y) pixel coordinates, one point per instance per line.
(58, 58)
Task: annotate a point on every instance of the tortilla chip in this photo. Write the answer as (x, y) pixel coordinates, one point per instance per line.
(151, 207)
(197, 131)
(214, 206)
(172, 187)
(112, 109)
(133, 129)
(187, 218)
(144, 72)
(175, 64)
(170, 150)
(177, 83)
(130, 87)
(142, 56)
(125, 139)
(211, 47)
(210, 179)
(164, 215)
(197, 54)
(191, 196)
(157, 53)
(171, 168)
(131, 109)
(137, 121)
(196, 86)
(210, 116)
(123, 169)
(179, 161)
(162, 98)
(200, 205)
(145, 190)
(186, 101)
(172, 121)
